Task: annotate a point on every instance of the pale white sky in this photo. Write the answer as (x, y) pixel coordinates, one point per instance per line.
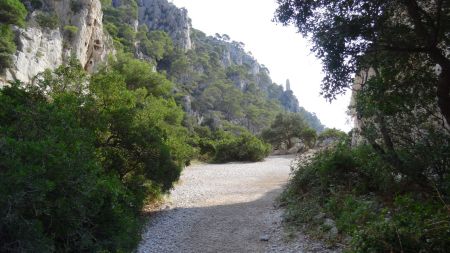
(283, 51)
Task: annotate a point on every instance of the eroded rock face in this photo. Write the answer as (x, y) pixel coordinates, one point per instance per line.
(91, 45)
(37, 50)
(360, 80)
(43, 48)
(233, 53)
(165, 16)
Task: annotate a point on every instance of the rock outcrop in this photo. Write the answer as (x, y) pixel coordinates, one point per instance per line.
(360, 80)
(165, 16)
(233, 53)
(41, 48)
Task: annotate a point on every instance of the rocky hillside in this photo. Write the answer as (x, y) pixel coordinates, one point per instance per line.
(215, 78)
(161, 15)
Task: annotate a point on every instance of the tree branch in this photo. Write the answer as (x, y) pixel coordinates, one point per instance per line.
(438, 21)
(414, 13)
(405, 49)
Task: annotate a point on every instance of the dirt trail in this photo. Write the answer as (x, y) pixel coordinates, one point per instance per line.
(225, 208)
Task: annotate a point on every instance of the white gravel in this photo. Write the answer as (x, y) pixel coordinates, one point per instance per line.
(225, 208)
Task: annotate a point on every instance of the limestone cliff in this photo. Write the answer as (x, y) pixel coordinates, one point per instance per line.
(360, 80)
(164, 16)
(78, 31)
(232, 53)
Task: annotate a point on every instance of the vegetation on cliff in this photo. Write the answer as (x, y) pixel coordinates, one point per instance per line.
(12, 12)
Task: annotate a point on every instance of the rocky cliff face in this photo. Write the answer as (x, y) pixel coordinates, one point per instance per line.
(233, 53)
(162, 15)
(40, 48)
(360, 80)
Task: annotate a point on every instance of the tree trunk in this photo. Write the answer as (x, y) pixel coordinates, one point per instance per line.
(436, 54)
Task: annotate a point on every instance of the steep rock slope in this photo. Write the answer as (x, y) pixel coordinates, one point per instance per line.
(161, 15)
(55, 31)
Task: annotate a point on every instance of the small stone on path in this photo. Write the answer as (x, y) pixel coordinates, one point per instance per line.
(264, 238)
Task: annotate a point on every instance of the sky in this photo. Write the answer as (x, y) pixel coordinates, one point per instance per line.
(281, 49)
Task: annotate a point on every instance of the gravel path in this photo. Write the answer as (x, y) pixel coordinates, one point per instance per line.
(225, 208)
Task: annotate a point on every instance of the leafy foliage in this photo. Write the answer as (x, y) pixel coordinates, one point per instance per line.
(118, 22)
(392, 193)
(70, 31)
(286, 127)
(7, 47)
(78, 167)
(350, 36)
(331, 135)
(245, 147)
(156, 44)
(47, 20)
(12, 12)
(380, 209)
(55, 195)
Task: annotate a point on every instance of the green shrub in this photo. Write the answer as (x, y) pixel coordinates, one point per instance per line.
(36, 4)
(76, 6)
(351, 211)
(357, 189)
(80, 156)
(12, 12)
(410, 226)
(287, 126)
(242, 148)
(54, 194)
(70, 31)
(7, 47)
(47, 20)
(332, 134)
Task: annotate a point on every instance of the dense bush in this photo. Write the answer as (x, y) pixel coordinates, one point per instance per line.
(119, 23)
(232, 143)
(410, 226)
(47, 20)
(286, 127)
(331, 133)
(76, 6)
(380, 210)
(7, 47)
(55, 196)
(12, 12)
(390, 194)
(245, 147)
(70, 31)
(80, 156)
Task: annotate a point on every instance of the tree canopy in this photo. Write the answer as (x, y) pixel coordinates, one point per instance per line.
(354, 35)
(286, 127)
(12, 12)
